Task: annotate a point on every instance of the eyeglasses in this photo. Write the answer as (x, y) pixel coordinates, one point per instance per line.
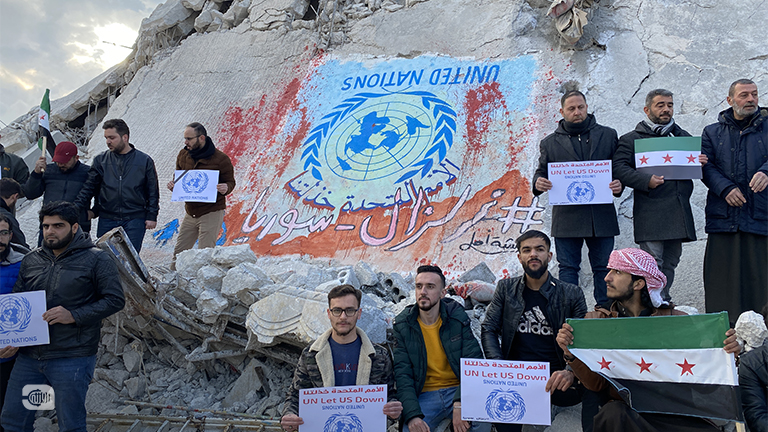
(190, 139)
(5, 233)
(348, 311)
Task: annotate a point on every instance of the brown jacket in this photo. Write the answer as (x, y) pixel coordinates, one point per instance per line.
(219, 162)
(593, 380)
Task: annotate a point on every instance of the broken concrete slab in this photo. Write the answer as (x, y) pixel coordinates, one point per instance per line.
(480, 272)
(243, 282)
(365, 274)
(189, 261)
(209, 277)
(251, 380)
(131, 360)
(210, 305)
(230, 256)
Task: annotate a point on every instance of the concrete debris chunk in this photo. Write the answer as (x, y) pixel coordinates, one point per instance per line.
(115, 377)
(195, 5)
(209, 277)
(243, 279)
(345, 277)
(210, 305)
(131, 360)
(230, 256)
(136, 386)
(189, 261)
(750, 329)
(480, 272)
(365, 274)
(165, 16)
(251, 380)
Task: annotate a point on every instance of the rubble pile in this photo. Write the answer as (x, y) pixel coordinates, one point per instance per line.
(224, 332)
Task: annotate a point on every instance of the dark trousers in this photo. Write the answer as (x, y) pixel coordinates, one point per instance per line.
(590, 405)
(617, 416)
(134, 229)
(569, 261)
(5, 375)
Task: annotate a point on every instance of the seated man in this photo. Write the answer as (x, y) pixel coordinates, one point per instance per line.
(634, 289)
(342, 356)
(525, 312)
(431, 337)
(753, 385)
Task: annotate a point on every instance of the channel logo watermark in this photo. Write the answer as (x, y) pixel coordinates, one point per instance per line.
(38, 397)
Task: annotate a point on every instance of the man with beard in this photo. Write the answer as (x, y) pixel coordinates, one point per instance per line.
(124, 182)
(60, 180)
(654, 195)
(202, 221)
(342, 356)
(431, 338)
(579, 138)
(526, 311)
(82, 287)
(10, 191)
(10, 262)
(634, 285)
(736, 258)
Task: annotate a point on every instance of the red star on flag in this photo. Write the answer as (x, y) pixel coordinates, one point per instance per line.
(687, 367)
(691, 159)
(667, 158)
(42, 117)
(604, 364)
(644, 366)
(643, 160)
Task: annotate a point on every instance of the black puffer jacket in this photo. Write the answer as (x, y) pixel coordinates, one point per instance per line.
(753, 385)
(83, 280)
(564, 300)
(125, 186)
(59, 186)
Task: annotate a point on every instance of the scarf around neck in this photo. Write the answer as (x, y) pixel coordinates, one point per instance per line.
(660, 129)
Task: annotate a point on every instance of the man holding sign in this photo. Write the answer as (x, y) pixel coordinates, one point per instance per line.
(655, 195)
(579, 138)
(342, 356)
(202, 221)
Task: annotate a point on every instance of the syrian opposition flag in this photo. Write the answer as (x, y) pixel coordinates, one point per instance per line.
(43, 122)
(670, 364)
(675, 158)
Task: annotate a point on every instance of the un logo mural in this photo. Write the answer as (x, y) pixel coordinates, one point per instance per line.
(15, 313)
(580, 192)
(505, 406)
(343, 423)
(390, 137)
(194, 182)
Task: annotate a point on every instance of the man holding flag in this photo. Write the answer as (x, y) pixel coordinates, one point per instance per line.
(648, 400)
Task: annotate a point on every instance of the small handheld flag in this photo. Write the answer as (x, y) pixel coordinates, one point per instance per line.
(45, 140)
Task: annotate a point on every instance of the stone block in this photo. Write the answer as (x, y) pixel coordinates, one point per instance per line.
(210, 305)
(236, 13)
(98, 399)
(195, 5)
(373, 320)
(252, 379)
(230, 256)
(115, 377)
(480, 272)
(243, 279)
(165, 16)
(209, 277)
(345, 277)
(396, 286)
(136, 387)
(365, 274)
(190, 261)
(131, 360)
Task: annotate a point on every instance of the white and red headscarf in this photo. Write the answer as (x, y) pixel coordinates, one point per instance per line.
(640, 263)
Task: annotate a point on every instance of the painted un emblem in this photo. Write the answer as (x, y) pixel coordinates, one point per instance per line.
(194, 182)
(15, 313)
(580, 192)
(373, 136)
(505, 406)
(343, 423)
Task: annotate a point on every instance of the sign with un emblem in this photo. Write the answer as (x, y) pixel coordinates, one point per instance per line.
(21, 319)
(343, 409)
(195, 186)
(579, 183)
(503, 391)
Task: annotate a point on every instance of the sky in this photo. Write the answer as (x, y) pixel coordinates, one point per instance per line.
(59, 44)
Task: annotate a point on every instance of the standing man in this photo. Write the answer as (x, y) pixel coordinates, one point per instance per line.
(82, 288)
(342, 356)
(579, 138)
(202, 221)
(124, 182)
(736, 258)
(60, 180)
(10, 191)
(12, 166)
(526, 312)
(654, 195)
(431, 338)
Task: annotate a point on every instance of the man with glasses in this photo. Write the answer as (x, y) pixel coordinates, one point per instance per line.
(202, 221)
(342, 356)
(432, 336)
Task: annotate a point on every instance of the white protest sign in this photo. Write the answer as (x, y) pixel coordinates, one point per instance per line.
(195, 186)
(578, 183)
(21, 319)
(503, 391)
(349, 408)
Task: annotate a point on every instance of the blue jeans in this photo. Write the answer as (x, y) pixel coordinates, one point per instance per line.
(569, 259)
(69, 378)
(134, 229)
(438, 405)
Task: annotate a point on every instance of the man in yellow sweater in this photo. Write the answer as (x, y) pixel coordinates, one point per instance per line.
(431, 338)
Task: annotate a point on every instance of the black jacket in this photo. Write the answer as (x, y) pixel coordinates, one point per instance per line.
(671, 199)
(17, 235)
(125, 186)
(59, 186)
(593, 220)
(13, 166)
(753, 386)
(564, 300)
(83, 280)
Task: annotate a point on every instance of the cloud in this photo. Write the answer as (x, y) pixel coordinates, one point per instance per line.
(58, 44)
